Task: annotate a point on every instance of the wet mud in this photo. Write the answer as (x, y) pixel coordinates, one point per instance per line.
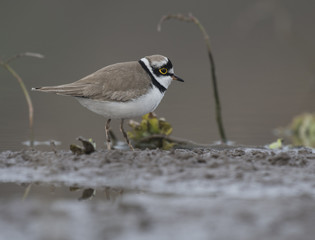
(206, 193)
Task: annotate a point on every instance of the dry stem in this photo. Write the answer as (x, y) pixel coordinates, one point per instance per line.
(5, 65)
(194, 20)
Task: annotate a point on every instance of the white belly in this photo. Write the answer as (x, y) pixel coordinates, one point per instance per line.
(135, 108)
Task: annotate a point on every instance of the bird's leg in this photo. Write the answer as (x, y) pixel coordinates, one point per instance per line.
(125, 134)
(107, 134)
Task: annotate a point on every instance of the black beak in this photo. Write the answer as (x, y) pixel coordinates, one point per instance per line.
(177, 78)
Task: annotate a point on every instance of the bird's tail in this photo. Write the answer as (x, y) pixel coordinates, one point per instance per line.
(66, 90)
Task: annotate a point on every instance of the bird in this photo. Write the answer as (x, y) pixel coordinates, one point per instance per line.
(121, 91)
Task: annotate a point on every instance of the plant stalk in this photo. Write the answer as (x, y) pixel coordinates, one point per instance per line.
(214, 81)
(193, 19)
(27, 96)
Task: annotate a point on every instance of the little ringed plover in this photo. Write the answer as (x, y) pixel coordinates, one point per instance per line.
(122, 90)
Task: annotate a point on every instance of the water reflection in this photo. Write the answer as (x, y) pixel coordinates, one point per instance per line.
(110, 194)
(31, 190)
(146, 216)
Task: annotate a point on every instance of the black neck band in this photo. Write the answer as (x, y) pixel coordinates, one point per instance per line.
(154, 81)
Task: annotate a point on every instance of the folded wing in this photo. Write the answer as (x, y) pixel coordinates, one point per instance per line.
(118, 82)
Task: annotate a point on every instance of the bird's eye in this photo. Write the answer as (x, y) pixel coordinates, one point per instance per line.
(163, 71)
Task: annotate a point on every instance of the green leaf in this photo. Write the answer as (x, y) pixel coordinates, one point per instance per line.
(277, 144)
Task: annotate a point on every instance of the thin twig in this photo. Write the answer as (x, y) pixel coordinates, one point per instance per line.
(194, 20)
(179, 17)
(27, 97)
(26, 54)
(27, 191)
(5, 65)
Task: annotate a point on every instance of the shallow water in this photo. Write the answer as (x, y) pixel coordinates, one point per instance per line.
(255, 193)
(56, 213)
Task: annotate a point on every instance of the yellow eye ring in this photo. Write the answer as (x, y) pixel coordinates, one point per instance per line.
(163, 71)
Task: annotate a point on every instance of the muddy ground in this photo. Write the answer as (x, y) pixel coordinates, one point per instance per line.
(214, 193)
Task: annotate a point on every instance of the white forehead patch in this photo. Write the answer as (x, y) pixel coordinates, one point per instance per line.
(157, 61)
(159, 64)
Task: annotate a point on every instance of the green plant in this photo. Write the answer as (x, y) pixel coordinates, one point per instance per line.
(151, 132)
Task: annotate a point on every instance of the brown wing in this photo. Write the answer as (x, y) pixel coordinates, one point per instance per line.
(117, 82)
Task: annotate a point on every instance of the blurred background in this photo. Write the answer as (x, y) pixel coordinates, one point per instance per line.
(263, 49)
